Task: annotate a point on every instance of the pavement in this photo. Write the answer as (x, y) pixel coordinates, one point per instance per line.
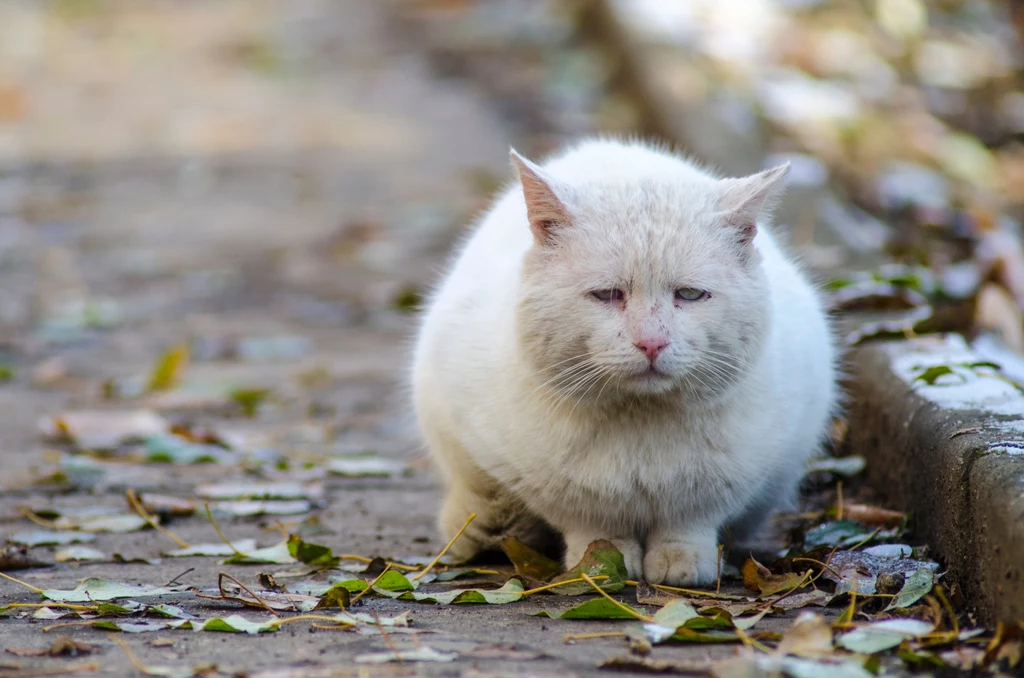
(265, 182)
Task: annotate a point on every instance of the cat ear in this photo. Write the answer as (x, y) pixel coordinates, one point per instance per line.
(743, 200)
(544, 196)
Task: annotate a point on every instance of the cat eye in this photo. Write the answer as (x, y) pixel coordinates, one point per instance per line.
(608, 295)
(690, 294)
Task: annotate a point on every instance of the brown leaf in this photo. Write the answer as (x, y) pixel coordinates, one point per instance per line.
(529, 563)
(16, 558)
(757, 577)
(648, 595)
(809, 636)
(167, 506)
(635, 664)
(63, 646)
(873, 515)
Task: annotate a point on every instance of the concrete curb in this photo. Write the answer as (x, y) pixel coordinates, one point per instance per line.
(952, 453)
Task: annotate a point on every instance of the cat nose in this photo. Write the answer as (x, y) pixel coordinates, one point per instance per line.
(651, 347)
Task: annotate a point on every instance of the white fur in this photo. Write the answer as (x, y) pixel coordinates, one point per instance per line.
(530, 435)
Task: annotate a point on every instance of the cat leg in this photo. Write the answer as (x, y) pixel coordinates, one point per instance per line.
(682, 555)
(498, 515)
(577, 541)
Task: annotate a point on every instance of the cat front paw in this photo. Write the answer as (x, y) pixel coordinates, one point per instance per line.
(681, 564)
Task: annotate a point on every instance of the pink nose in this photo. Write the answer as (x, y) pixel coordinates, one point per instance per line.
(651, 347)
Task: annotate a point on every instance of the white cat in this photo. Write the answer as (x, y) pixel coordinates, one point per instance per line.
(620, 351)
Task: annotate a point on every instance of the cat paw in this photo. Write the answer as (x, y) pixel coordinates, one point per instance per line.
(680, 564)
(632, 552)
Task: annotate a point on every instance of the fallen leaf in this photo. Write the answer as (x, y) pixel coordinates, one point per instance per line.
(873, 515)
(103, 429)
(757, 577)
(595, 608)
(420, 654)
(841, 466)
(915, 587)
(163, 505)
(253, 490)
(119, 523)
(634, 664)
(601, 559)
(17, 558)
(278, 554)
(167, 371)
(249, 399)
(78, 554)
(50, 538)
(364, 465)
(809, 636)
(511, 592)
(101, 589)
(883, 635)
(62, 646)
(174, 449)
(259, 507)
(529, 563)
(218, 549)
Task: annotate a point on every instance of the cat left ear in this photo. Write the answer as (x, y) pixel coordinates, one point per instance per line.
(743, 200)
(544, 196)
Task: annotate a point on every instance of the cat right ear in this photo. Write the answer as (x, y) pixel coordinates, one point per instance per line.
(544, 196)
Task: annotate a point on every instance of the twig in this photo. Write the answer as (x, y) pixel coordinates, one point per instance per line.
(628, 610)
(387, 639)
(67, 606)
(220, 584)
(220, 534)
(364, 559)
(153, 522)
(175, 581)
(866, 539)
(428, 568)
(800, 584)
(578, 580)
(691, 592)
(18, 581)
(750, 642)
(41, 673)
(941, 595)
(572, 637)
(370, 586)
(38, 519)
(839, 501)
(718, 579)
(309, 617)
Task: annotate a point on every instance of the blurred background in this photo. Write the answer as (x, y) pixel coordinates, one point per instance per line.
(229, 168)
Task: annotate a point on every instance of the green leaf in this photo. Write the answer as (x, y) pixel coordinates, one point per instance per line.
(511, 592)
(394, 581)
(242, 508)
(529, 563)
(219, 549)
(101, 589)
(313, 554)
(172, 449)
(595, 608)
(235, 624)
(919, 583)
(837, 533)
(278, 554)
(78, 554)
(420, 654)
(249, 399)
(364, 465)
(600, 559)
(933, 374)
(884, 635)
(675, 614)
(251, 490)
(50, 538)
(167, 372)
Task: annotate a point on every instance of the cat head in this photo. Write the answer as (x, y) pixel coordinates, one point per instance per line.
(643, 283)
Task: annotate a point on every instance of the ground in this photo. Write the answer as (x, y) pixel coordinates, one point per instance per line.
(267, 183)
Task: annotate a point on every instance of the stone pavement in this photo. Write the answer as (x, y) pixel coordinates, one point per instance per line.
(222, 172)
